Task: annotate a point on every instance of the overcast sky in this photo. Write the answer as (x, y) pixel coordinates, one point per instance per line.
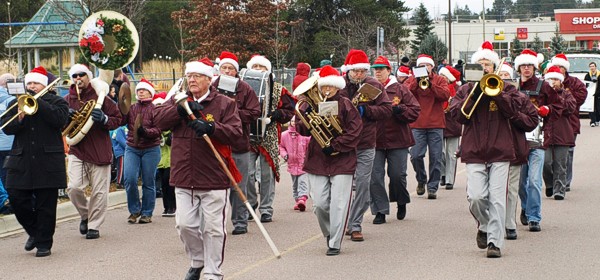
(436, 7)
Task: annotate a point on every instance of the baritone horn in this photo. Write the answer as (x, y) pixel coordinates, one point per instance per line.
(322, 128)
(27, 103)
(490, 85)
(424, 83)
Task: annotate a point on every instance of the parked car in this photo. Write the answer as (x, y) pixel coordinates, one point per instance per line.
(579, 67)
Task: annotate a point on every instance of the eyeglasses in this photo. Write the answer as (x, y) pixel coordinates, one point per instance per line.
(526, 65)
(193, 76)
(74, 76)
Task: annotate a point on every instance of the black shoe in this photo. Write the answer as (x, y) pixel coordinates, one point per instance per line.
(559, 196)
(443, 181)
(83, 229)
(42, 252)
(493, 251)
(449, 186)
(523, 218)
(431, 195)
(534, 226)
(30, 244)
(92, 234)
(549, 192)
(332, 252)
(420, 189)
(266, 218)
(511, 234)
(379, 219)
(250, 218)
(193, 273)
(401, 213)
(239, 230)
(568, 189)
(481, 239)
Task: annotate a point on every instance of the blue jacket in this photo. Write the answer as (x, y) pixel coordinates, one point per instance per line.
(6, 141)
(119, 139)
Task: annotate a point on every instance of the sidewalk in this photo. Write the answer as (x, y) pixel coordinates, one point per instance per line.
(65, 210)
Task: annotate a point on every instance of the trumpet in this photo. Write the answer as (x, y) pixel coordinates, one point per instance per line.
(424, 83)
(490, 85)
(27, 103)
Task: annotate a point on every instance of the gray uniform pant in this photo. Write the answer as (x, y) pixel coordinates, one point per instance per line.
(266, 185)
(397, 164)
(570, 166)
(239, 213)
(299, 186)
(486, 193)
(81, 174)
(362, 180)
(200, 219)
(448, 163)
(512, 198)
(555, 168)
(331, 201)
(424, 138)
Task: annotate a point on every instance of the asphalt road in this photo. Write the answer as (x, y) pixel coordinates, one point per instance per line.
(435, 241)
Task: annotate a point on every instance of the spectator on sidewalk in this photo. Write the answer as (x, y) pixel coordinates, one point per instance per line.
(293, 150)
(5, 140)
(119, 139)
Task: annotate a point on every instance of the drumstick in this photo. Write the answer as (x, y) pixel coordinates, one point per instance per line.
(183, 102)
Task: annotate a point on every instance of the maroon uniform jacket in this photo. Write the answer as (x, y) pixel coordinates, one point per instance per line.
(395, 132)
(487, 136)
(96, 146)
(525, 119)
(249, 110)
(431, 100)
(152, 138)
(193, 163)
(579, 91)
(318, 163)
(558, 130)
(378, 109)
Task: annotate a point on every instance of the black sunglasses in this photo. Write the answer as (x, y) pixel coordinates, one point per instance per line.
(78, 75)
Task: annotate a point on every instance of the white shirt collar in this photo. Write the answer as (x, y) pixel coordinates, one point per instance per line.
(202, 97)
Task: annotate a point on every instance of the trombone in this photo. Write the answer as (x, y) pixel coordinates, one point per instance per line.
(490, 85)
(27, 103)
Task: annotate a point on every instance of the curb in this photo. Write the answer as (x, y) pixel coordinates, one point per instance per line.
(9, 224)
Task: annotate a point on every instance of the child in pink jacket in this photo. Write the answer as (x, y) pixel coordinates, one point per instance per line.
(293, 149)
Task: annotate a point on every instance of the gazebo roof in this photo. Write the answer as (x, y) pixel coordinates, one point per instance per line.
(52, 35)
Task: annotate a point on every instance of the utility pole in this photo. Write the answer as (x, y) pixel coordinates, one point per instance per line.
(483, 12)
(449, 32)
(9, 36)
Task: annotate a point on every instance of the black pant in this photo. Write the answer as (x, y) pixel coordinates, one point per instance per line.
(595, 115)
(36, 212)
(168, 192)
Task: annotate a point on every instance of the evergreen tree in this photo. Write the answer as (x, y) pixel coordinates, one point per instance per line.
(516, 47)
(557, 43)
(537, 45)
(500, 10)
(424, 27)
(432, 45)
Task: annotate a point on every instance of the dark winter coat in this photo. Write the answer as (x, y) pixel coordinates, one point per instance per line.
(151, 138)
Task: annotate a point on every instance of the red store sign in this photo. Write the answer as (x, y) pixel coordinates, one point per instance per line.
(580, 22)
(522, 33)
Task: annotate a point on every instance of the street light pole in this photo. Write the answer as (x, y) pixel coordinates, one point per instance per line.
(449, 32)
(483, 12)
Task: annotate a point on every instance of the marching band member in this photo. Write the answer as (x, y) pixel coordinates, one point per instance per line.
(201, 186)
(530, 189)
(402, 74)
(428, 130)
(281, 111)
(487, 149)
(249, 110)
(142, 154)
(452, 131)
(36, 163)
(302, 73)
(579, 91)
(329, 175)
(525, 120)
(371, 111)
(559, 137)
(89, 160)
(394, 137)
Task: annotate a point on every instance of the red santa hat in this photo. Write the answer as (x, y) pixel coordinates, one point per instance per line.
(227, 57)
(380, 62)
(80, 68)
(486, 51)
(357, 59)
(561, 60)
(260, 60)
(403, 71)
(203, 66)
(554, 73)
(507, 68)
(344, 68)
(427, 59)
(159, 98)
(37, 75)
(527, 57)
(328, 76)
(450, 73)
(147, 85)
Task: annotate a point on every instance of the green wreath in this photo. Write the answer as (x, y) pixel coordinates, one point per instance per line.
(101, 33)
